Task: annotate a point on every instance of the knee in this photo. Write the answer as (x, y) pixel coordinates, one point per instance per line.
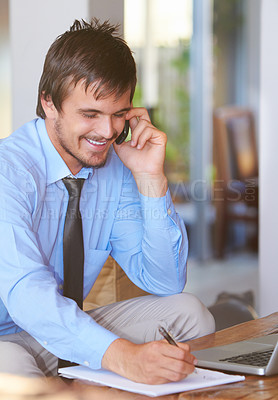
(206, 320)
(198, 321)
(17, 361)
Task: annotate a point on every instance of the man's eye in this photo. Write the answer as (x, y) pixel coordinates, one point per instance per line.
(89, 115)
(121, 115)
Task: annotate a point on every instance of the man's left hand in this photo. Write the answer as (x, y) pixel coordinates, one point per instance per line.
(144, 154)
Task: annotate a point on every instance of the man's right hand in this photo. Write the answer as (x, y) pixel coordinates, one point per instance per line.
(151, 363)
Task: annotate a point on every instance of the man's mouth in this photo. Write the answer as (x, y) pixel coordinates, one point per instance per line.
(96, 142)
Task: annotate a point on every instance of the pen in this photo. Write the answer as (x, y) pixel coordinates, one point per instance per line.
(167, 336)
(170, 340)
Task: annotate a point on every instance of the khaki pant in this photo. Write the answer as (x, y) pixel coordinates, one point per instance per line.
(135, 319)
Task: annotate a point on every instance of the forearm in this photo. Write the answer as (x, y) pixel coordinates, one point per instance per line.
(57, 323)
(31, 302)
(155, 243)
(151, 185)
(164, 245)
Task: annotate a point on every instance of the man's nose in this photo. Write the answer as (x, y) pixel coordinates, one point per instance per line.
(106, 128)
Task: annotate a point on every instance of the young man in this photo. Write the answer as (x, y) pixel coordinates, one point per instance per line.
(85, 98)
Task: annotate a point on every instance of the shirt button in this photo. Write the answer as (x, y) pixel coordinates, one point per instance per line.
(86, 363)
(169, 212)
(60, 286)
(45, 342)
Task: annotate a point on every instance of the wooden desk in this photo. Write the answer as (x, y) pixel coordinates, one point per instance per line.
(254, 387)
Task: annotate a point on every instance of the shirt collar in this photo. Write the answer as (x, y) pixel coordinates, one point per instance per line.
(56, 168)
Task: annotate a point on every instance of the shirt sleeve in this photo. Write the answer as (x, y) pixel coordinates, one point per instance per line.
(149, 241)
(28, 289)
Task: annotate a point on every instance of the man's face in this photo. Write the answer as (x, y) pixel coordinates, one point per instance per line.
(84, 130)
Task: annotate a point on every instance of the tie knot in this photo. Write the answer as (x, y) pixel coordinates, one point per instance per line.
(74, 186)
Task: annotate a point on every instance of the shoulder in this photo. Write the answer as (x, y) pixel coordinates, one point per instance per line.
(21, 153)
(23, 146)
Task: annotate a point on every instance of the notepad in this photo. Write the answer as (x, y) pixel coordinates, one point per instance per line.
(201, 378)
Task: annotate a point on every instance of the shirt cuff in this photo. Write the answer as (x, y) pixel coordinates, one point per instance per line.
(102, 338)
(158, 211)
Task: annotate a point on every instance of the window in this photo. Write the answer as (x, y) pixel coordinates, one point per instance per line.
(160, 37)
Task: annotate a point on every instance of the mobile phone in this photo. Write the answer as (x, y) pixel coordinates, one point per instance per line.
(122, 137)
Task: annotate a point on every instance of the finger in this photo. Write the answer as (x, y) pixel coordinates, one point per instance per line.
(141, 135)
(176, 373)
(189, 356)
(179, 369)
(136, 124)
(174, 369)
(144, 132)
(160, 366)
(139, 113)
(133, 122)
(180, 352)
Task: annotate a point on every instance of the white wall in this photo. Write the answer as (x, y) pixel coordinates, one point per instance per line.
(268, 127)
(5, 74)
(253, 33)
(34, 25)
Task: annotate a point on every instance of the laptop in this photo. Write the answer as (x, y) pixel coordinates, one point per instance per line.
(258, 356)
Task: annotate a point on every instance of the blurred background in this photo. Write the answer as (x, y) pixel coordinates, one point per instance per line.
(207, 75)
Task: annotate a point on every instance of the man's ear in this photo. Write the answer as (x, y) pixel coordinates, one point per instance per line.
(48, 106)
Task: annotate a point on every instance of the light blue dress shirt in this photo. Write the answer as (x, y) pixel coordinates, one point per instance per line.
(144, 235)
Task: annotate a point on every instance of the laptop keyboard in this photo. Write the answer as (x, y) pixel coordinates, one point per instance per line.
(257, 358)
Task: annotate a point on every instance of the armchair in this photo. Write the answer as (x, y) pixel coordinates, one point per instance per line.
(236, 163)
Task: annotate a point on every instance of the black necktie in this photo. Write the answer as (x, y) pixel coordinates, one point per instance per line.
(73, 250)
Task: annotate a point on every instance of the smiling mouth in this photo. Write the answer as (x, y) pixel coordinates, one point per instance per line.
(96, 143)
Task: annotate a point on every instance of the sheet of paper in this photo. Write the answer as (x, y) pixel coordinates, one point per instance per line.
(201, 378)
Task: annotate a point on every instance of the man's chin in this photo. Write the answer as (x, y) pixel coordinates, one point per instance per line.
(94, 163)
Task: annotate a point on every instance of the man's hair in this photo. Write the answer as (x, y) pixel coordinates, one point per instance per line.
(91, 52)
